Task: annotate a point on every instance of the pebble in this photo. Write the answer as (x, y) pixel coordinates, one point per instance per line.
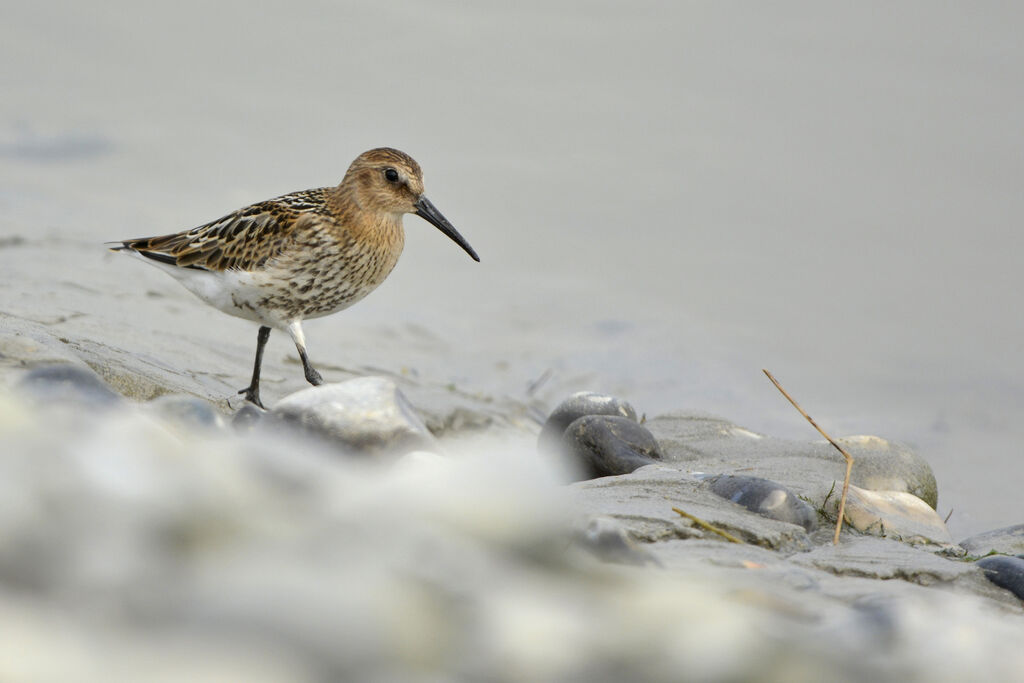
(187, 411)
(66, 383)
(894, 514)
(247, 416)
(608, 541)
(883, 465)
(604, 445)
(1005, 571)
(578, 405)
(420, 461)
(365, 415)
(765, 497)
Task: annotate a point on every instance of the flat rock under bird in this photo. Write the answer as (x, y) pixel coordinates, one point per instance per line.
(303, 255)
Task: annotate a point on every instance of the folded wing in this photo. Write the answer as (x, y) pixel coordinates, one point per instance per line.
(243, 240)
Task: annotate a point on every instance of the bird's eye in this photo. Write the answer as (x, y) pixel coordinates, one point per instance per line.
(392, 175)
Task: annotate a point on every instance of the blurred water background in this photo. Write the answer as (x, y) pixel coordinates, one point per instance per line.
(667, 197)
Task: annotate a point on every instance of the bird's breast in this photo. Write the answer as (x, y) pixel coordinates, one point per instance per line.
(332, 272)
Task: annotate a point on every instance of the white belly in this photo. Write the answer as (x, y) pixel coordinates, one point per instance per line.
(285, 291)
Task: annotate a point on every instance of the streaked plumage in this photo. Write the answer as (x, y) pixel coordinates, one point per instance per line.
(302, 255)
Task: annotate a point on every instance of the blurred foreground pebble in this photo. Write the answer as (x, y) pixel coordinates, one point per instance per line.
(67, 383)
(149, 542)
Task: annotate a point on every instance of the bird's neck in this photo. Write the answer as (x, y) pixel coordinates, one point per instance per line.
(341, 200)
(351, 216)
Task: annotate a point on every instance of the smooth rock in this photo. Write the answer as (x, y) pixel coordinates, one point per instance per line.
(1005, 572)
(187, 411)
(578, 405)
(1008, 541)
(883, 465)
(66, 383)
(811, 469)
(894, 514)
(421, 461)
(607, 540)
(604, 445)
(247, 416)
(367, 415)
(766, 498)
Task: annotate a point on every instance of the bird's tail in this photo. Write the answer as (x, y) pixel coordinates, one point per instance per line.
(142, 247)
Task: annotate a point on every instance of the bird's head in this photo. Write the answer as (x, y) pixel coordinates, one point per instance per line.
(385, 180)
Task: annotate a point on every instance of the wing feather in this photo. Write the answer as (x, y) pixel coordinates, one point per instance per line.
(243, 240)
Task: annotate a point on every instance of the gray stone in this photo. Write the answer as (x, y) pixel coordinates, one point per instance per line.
(67, 383)
(366, 415)
(1005, 572)
(813, 470)
(578, 405)
(421, 461)
(1008, 541)
(187, 412)
(607, 540)
(247, 416)
(603, 445)
(765, 498)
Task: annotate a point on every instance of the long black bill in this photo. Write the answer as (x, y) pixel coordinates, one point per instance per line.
(429, 212)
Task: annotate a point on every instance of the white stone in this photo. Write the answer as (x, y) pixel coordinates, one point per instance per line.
(366, 414)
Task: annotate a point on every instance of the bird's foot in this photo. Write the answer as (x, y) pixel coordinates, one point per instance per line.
(313, 377)
(252, 394)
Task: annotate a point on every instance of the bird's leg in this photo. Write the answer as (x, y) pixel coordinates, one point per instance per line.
(312, 376)
(252, 392)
